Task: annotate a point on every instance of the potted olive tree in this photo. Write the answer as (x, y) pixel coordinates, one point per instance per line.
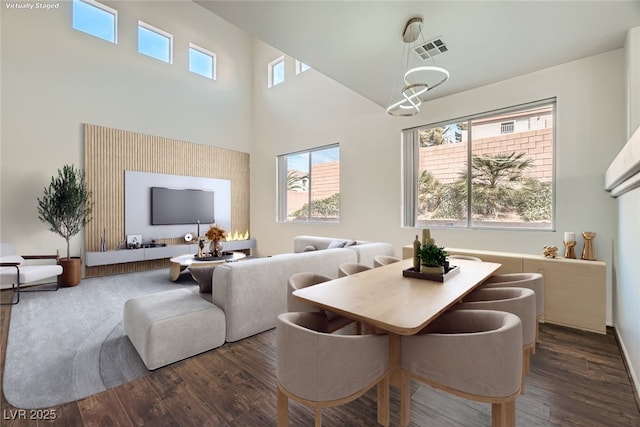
(66, 208)
(432, 259)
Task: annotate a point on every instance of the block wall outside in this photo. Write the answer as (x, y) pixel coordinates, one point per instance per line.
(445, 162)
(324, 184)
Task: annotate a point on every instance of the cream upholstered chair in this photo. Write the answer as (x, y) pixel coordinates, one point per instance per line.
(319, 369)
(533, 281)
(467, 257)
(519, 301)
(302, 280)
(475, 354)
(15, 271)
(349, 268)
(381, 260)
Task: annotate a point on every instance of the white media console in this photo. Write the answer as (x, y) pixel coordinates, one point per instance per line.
(93, 259)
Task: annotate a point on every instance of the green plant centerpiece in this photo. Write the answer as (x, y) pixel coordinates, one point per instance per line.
(432, 258)
(66, 208)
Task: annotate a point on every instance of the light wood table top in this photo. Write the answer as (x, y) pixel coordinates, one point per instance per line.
(382, 297)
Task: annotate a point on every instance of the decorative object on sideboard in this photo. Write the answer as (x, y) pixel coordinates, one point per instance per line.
(103, 241)
(569, 243)
(550, 251)
(66, 208)
(134, 241)
(588, 252)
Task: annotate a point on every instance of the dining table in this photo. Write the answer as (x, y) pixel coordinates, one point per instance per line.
(388, 301)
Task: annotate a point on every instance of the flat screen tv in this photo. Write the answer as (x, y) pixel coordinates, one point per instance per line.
(181, 206)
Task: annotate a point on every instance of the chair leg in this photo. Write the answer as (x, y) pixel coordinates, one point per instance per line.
(503, 414)
(405, 400)
(15, 288)
(283, 409)
(16, 299)
(318, 416)
(383, 401)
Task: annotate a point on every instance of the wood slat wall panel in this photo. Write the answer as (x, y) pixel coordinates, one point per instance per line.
(110, 152)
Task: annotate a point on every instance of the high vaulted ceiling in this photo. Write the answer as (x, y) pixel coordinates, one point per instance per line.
(359, 43)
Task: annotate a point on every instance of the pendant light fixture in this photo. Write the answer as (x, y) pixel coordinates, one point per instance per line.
(417, 80)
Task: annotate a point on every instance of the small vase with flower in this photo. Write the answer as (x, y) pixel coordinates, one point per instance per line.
(215, 235)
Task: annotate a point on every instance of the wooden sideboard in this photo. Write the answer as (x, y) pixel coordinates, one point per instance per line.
(574, 289)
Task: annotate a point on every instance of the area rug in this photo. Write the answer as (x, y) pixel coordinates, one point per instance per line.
(69, 344)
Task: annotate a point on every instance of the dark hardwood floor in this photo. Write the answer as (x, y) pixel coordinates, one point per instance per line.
(577, 379)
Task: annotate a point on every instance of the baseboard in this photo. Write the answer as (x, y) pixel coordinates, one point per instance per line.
(635, 383)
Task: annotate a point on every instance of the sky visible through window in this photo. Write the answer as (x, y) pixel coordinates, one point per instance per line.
(200, 63)
(154, 44)
(301, 161)
(278, 72)
(94, 20)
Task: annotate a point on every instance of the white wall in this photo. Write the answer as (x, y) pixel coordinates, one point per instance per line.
(310, 110)
(55, 78)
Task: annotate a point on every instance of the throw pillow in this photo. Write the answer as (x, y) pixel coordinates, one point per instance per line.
(336, 244)
(350, 243)
(309, 248)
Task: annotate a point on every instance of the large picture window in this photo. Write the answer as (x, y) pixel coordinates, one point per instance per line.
(309, 185)
(491, 170)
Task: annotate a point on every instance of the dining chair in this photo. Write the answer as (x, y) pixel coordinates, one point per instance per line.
(302, 280)
(474, 354)
(319, 369)
(467, 257)
(533, 281)
(381, 260)
(16, 271)
(518, 301)
(349, 268)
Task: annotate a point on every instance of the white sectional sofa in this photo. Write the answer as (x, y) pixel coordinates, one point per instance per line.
(365, 251)
(253, 293)
(250, 293)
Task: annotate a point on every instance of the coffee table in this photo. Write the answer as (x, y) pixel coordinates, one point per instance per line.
(179, 263)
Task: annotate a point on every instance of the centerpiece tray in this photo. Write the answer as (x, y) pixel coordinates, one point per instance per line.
(224, 256)
(452, 271)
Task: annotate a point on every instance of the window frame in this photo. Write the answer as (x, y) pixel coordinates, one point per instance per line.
(270, 74)
(410, 144)
(103, 8)
(203, 51)
(158, 31)
(281, 185)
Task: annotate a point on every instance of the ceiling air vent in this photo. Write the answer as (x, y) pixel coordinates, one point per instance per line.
(431, 48)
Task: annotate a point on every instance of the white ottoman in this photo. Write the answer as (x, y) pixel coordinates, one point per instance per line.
(166, 327)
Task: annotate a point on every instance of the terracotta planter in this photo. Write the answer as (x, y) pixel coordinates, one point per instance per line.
(71, 271)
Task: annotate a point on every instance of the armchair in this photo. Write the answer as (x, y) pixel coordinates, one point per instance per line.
(15, 271)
